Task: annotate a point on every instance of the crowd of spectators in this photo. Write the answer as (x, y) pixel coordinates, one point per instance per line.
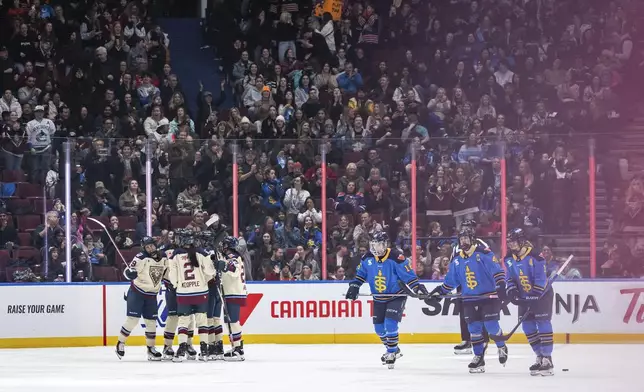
(458, 85)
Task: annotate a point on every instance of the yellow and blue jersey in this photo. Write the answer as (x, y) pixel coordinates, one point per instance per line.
(527, 272)
(476, 271)
(383, 273)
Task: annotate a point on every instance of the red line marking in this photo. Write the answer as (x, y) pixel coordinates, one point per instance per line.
(104, 315)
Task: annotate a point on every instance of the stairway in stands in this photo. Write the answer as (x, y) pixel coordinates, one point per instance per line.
(628, 143)
(188, 60)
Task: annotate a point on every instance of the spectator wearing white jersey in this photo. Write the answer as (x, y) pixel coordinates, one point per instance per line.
(40, 131)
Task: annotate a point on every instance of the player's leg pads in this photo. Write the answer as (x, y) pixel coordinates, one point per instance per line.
(202, 326)
(170, 329)
(492, 327)
(545, 336)
(391, 326)
(150, 332)
(236, 333)
(381, 332)
(476, 332)
(531, 332)
(219, 329)
(184, 321)
(127, 328)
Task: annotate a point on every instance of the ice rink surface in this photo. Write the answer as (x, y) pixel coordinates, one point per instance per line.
(332, 368)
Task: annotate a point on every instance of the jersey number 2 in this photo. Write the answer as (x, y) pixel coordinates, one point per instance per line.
(188, 271)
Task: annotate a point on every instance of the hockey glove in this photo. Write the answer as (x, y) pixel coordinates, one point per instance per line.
(353, 291)
(131, 274)
(437, 292)
(501, 291)
(513, 295)
(421, 291)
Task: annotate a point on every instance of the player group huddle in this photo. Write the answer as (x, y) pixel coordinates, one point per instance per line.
(477, 275)
(198, 284)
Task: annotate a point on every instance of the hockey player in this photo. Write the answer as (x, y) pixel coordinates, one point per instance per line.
(465, 347)
(383, 268)
(527, 287)
(190, 272)
(230, 268)
(479, 275)
(145, 274)
(171, 306)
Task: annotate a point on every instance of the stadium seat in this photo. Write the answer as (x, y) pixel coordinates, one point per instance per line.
(28, 253)
(128, 254)
(28, 222)
(40, 207)
(105, 273)
(4, 260)
(24, 239)
(27, 190)
(20, 206)
(179, 221)
(13, 176)
(128, 222)
(289, 253)
(93, 226)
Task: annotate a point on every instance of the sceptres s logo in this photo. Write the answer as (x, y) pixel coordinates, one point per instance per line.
(572, 305)
(633, 304)
(442, 307)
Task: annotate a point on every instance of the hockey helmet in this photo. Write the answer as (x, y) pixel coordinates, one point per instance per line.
(516, 239)
(149, 245)
(466, 237)
(379, 243)
(228, 243)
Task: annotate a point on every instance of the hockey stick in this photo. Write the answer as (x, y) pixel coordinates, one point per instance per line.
(423, 297)
(506, 337)
(111, 239)
(221, 292)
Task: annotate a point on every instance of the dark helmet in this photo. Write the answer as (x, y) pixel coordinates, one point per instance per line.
(466, 232)
(228, 243)
(469, 223)
(517, 235)
(379, 243)
(147, 241)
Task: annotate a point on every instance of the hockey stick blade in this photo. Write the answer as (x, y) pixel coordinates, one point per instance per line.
(506, 337)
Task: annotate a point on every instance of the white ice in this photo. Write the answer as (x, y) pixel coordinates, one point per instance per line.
(325, 368)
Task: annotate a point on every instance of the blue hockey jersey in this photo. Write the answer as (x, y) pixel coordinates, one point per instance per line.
(527, 272)
(476, 272)
(383, 273)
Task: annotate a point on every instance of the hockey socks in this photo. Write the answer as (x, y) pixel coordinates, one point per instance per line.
(236, 333)
(127, 328)
(170, 328)
(218, 330)
(476, 334)
(531, 332)
(150, 332)
(546, 337)
(202, 327)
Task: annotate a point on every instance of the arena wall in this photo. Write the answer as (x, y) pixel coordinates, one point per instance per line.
(67, 315)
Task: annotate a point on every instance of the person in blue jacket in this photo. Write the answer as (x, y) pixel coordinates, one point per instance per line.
(350, 80)
(477, 271)
(528, 288)
(387, 271)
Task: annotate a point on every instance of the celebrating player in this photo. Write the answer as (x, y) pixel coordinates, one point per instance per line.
(230, 266)
(190, 271)
(465, 347)
(170, 305)
(479, 275)
(145, 273)
(383, 267)
(528, 288)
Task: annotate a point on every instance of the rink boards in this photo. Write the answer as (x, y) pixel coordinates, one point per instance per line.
(51, 315)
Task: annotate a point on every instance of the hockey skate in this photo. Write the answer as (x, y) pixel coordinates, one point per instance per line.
(383, 358)
(192, 353)
(203, 351)
(390, 360)
(120, 349)
(477, 365)
(216, 351)
(464, 348)
(153, 354)
(534, 369)
(235, 355)
(181, 353)
(503, 355)
(168, 353)
(547, 368)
